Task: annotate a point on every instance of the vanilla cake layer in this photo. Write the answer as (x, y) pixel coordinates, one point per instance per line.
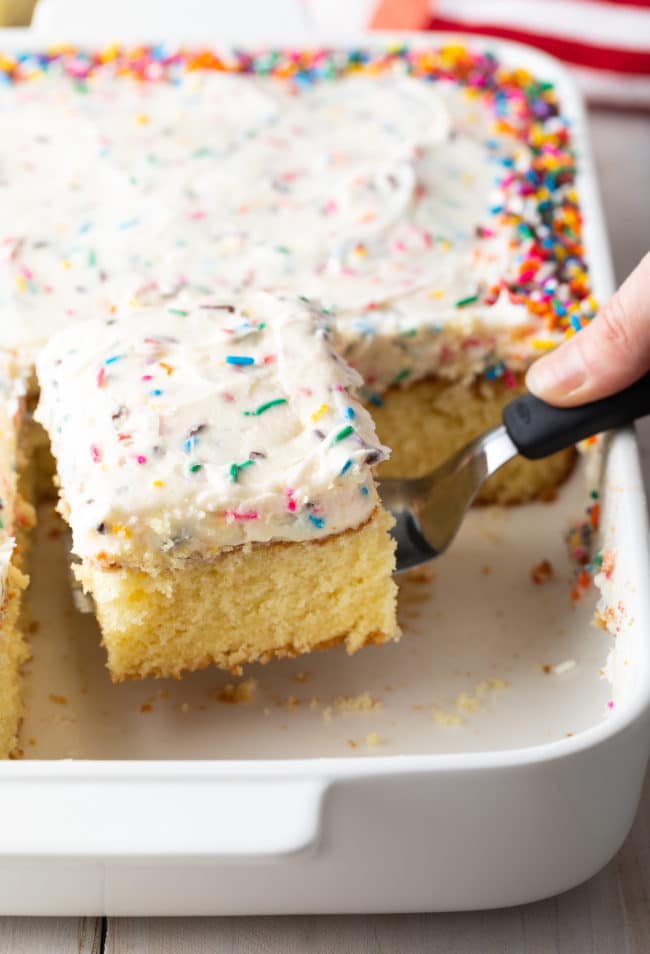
(249, 604)
(215, 469)
(13, 653)
(428, 422)
(16, 516)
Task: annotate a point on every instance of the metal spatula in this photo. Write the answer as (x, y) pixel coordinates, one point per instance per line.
(429, 510)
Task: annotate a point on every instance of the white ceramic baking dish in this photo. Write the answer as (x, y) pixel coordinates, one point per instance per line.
(161, 799)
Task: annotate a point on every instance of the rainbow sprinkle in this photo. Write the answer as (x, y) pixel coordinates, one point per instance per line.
(236, 468)
(265, 407)
(342, 434)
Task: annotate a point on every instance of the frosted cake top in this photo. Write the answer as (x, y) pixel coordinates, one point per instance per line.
(425, 199)
(180, 432)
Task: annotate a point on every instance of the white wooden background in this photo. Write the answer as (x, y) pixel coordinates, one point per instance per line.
(608, 915)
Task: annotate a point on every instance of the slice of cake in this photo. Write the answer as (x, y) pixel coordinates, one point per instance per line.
(15, 517)
(215, 469)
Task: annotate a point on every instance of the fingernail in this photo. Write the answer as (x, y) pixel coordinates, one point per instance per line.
(557, 375)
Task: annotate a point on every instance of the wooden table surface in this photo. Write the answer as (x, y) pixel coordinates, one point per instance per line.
(608, 915)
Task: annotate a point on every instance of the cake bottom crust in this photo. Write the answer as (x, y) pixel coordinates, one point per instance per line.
(249, 605)
(428, 422)
(13, 653)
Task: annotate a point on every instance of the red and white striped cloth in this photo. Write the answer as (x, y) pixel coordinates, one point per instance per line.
(606, 42)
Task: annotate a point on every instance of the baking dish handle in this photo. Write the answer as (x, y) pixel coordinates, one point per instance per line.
(160, 817)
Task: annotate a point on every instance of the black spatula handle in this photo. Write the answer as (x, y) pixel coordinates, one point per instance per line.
(538, 430)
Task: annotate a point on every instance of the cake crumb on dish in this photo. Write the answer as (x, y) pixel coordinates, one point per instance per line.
(600, 619)
(467, 703)
(610, 618)
(235, 693)
(421, 574)
(542, 572)
(444, 719)
(487, 685)
(361, 703)
(373, 739)
(291, 703)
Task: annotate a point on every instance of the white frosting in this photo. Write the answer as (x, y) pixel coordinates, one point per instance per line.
(180, 433)
(364, 194)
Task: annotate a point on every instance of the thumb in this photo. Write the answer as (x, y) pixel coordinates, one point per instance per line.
(609, 354)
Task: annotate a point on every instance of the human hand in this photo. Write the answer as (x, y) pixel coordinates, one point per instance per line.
(609, 354)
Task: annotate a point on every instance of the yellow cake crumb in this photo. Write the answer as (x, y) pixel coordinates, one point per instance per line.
(291, 703)
(421, 574)
(467, 703)
(236, 693)
(487, 685)
(542, 572)
(361, 703)
(443, 718)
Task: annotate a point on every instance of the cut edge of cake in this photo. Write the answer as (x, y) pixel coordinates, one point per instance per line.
(429, 421)
(18, 517)
(270, 600)
(13, 653)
